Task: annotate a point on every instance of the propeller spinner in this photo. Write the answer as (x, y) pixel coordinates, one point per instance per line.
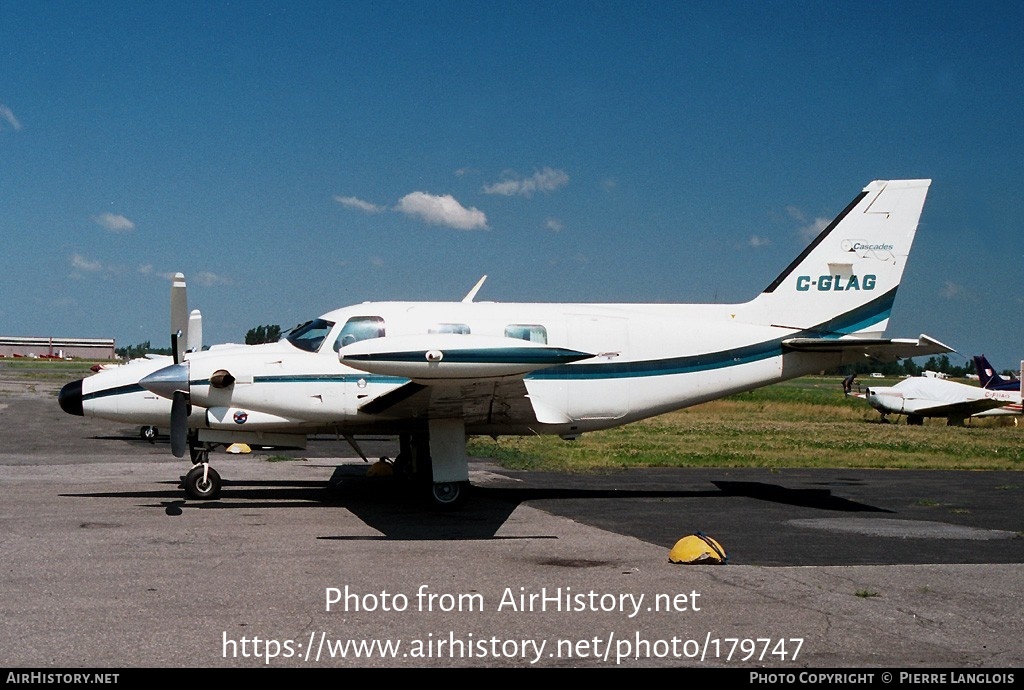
(172, 383)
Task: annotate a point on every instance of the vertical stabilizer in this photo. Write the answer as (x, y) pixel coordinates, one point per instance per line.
(845, 281)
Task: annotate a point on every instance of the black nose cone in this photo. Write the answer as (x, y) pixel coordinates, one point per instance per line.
(70, 398)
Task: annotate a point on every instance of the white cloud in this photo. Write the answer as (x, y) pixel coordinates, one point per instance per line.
(358, 204)
(554, 225)
(757, 241)
(809, 232)
(8, 115)
(81, 263)
(951, 290)
(114, 222)
(546, 180)
(207, 279)
(442, 210)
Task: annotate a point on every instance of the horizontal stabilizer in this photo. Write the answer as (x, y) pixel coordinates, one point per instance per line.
(449, 357)
(876, 349)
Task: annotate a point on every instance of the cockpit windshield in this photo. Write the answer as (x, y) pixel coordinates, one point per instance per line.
(310, 335)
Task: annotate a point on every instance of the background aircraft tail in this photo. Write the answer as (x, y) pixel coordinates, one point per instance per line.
(844, 283)
(989, 378)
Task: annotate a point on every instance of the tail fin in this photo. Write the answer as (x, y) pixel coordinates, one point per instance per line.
(845, 281)
(988, 378)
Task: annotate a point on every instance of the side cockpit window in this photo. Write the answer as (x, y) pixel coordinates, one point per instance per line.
(533, 333)
(310, 335)
(359, 328)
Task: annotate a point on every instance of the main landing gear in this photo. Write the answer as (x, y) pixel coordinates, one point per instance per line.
(449, 495)
(437, 461)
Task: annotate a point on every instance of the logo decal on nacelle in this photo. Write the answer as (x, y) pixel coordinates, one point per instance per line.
(241, 417)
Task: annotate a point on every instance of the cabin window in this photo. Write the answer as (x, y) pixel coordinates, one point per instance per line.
(460, 328)
(533, 333)
(309, 335)
(360, 328)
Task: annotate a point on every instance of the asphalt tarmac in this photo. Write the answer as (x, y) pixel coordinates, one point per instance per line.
(310, 563)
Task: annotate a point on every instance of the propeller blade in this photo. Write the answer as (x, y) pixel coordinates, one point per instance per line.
(179, 424)
(195, 331)
(179, 317)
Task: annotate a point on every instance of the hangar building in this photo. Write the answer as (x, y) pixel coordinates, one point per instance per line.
(84, 348)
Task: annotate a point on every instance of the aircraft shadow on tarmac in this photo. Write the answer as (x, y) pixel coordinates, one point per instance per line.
(399, 510)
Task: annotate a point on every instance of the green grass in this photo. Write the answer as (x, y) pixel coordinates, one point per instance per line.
(805, 423)
(25, 368)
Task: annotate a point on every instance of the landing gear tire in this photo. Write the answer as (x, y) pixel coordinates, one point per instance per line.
(148, 433)
(449, 495)
(198, 488)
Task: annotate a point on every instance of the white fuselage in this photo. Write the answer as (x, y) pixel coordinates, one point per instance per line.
(646, 360)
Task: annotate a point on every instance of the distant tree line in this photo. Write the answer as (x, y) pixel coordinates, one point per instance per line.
(263, 334)
(909, 367)
(140, 350)
(255, 336)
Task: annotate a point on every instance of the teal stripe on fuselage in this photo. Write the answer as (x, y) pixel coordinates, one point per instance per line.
(858, 319)
(512, 355)
(316, 378)
(865, 316)
(116, 390)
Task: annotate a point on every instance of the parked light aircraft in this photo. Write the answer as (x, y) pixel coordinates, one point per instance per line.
(433, 373)
(920, 397)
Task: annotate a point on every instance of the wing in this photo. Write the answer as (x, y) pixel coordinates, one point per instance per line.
(875, 349)
(450, 357)
(477, 378)
(965, 408)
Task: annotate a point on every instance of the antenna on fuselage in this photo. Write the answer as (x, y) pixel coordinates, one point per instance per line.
(476, 288)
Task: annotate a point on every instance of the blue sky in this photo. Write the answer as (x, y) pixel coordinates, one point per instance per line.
(291, 158)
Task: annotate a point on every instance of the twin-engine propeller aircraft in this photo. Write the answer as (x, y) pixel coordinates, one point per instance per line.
(433, 373)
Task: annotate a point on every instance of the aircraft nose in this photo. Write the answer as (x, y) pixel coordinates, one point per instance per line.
(167, 381)
(70, 398)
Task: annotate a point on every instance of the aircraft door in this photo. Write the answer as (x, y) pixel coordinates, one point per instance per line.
(603, 389)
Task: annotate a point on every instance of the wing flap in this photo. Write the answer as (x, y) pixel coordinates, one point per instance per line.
(962, 409)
